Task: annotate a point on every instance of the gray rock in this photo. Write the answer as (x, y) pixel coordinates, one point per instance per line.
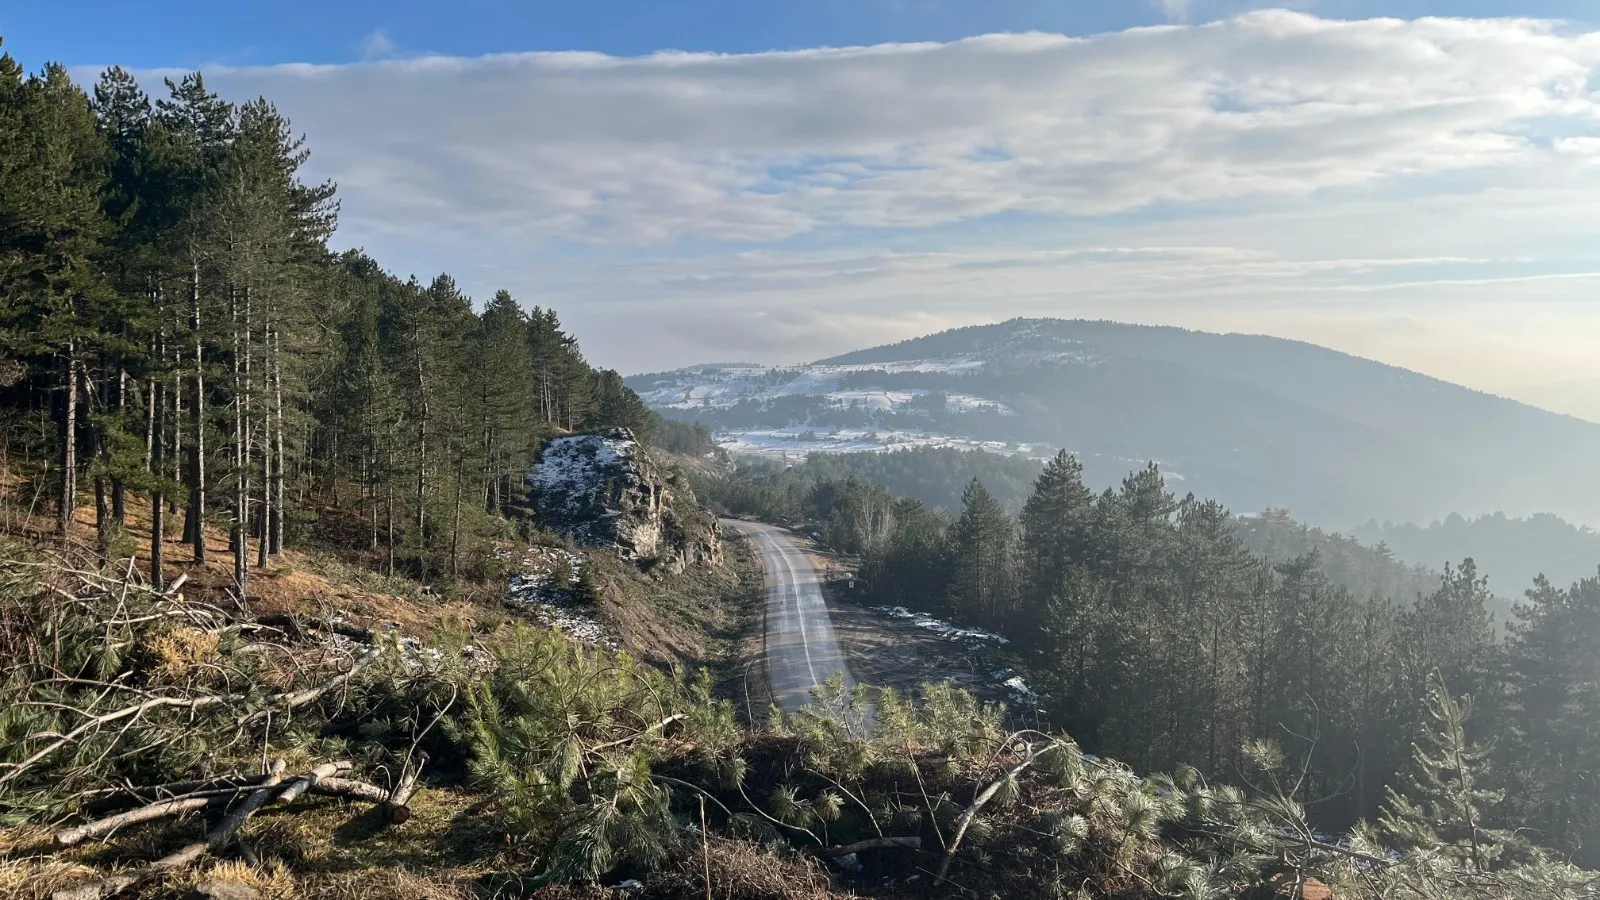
(603, 490)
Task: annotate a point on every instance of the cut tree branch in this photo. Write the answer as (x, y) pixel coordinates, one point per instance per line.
(878, 843)
(971, 812)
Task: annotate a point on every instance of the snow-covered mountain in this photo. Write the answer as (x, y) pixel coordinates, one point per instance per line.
(1253, 421)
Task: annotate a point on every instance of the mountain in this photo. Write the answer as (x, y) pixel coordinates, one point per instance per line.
(1253, 421)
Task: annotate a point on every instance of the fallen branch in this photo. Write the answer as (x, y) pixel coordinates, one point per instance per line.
(397, 804)
(289, 700)
(159, 810)
(633, 737)
(351, 789)
(971, 812)
(309, 780)
(94, 722)
(877, 843)
(116, 798)
(298, 627)
(217, 838)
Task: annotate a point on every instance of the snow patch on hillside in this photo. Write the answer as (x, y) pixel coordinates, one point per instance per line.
(718, 387)
(543, 582)
(796, 441)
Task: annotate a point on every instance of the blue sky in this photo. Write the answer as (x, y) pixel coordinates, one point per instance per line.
(252, 32)
(1420, 191)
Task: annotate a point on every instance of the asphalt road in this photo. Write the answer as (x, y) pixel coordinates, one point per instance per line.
(802, 649)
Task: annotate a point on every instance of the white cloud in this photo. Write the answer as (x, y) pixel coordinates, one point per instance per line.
(377, 45)
(1174, 10)
(764, 146)
(1275, 168)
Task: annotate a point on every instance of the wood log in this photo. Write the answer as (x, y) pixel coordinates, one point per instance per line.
(177, 790)
(350, 789)
(217, 838)
(398, 802)
(298, 627)
(305, 782)
(158, 810)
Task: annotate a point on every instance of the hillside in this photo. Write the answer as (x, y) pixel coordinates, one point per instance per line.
(1250, 420)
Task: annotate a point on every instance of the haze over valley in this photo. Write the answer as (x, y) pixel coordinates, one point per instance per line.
(1252, 421)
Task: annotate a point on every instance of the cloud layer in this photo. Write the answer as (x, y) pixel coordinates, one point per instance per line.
(765, 146)
(1272, 165)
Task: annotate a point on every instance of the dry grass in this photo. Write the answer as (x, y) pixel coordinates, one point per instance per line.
(739, 870)
(178, 652)
(271, 879)
(693, 619)
(37, 877)
(328, 849)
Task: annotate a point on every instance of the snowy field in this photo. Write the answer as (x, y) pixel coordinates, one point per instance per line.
(716, 387)
(796, 441)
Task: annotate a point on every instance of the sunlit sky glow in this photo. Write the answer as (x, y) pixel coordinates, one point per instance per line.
(1424, 191)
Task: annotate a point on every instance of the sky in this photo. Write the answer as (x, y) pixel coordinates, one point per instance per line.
(720, 180)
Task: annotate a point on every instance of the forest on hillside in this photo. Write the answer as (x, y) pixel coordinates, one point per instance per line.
(175, 324)
(1398, 561)
(1159, 637)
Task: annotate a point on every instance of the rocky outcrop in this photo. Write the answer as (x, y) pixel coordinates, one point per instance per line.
(604, 490)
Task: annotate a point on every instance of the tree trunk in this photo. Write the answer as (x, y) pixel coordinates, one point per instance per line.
(455, 531)
(422, 469)
(119, 506)
(102, 510)
(390, 482)
(150, 425)
(174, 425)
(277, 524)
(69, 442)
(369, 485)
(194, 521)
(158, 466)
(491, 500)
(241, 484)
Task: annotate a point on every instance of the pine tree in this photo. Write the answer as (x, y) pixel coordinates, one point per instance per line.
(1055, 533)
(51, 234)
(981, 560)
(1450, 631)
(1554, 661)
(198, 127)
(1444, 806)
(503, 384)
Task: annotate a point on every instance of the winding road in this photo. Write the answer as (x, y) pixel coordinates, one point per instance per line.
(801, 647)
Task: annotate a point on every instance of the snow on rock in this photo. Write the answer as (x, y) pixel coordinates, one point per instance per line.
(595, 489)
(603, 490)
(544, 582)
(1020, 691)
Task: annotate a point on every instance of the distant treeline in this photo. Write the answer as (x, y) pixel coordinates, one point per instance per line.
(1511, 551)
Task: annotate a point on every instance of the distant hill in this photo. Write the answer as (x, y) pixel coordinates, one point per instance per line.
(1253, 421)
(1510, 551)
